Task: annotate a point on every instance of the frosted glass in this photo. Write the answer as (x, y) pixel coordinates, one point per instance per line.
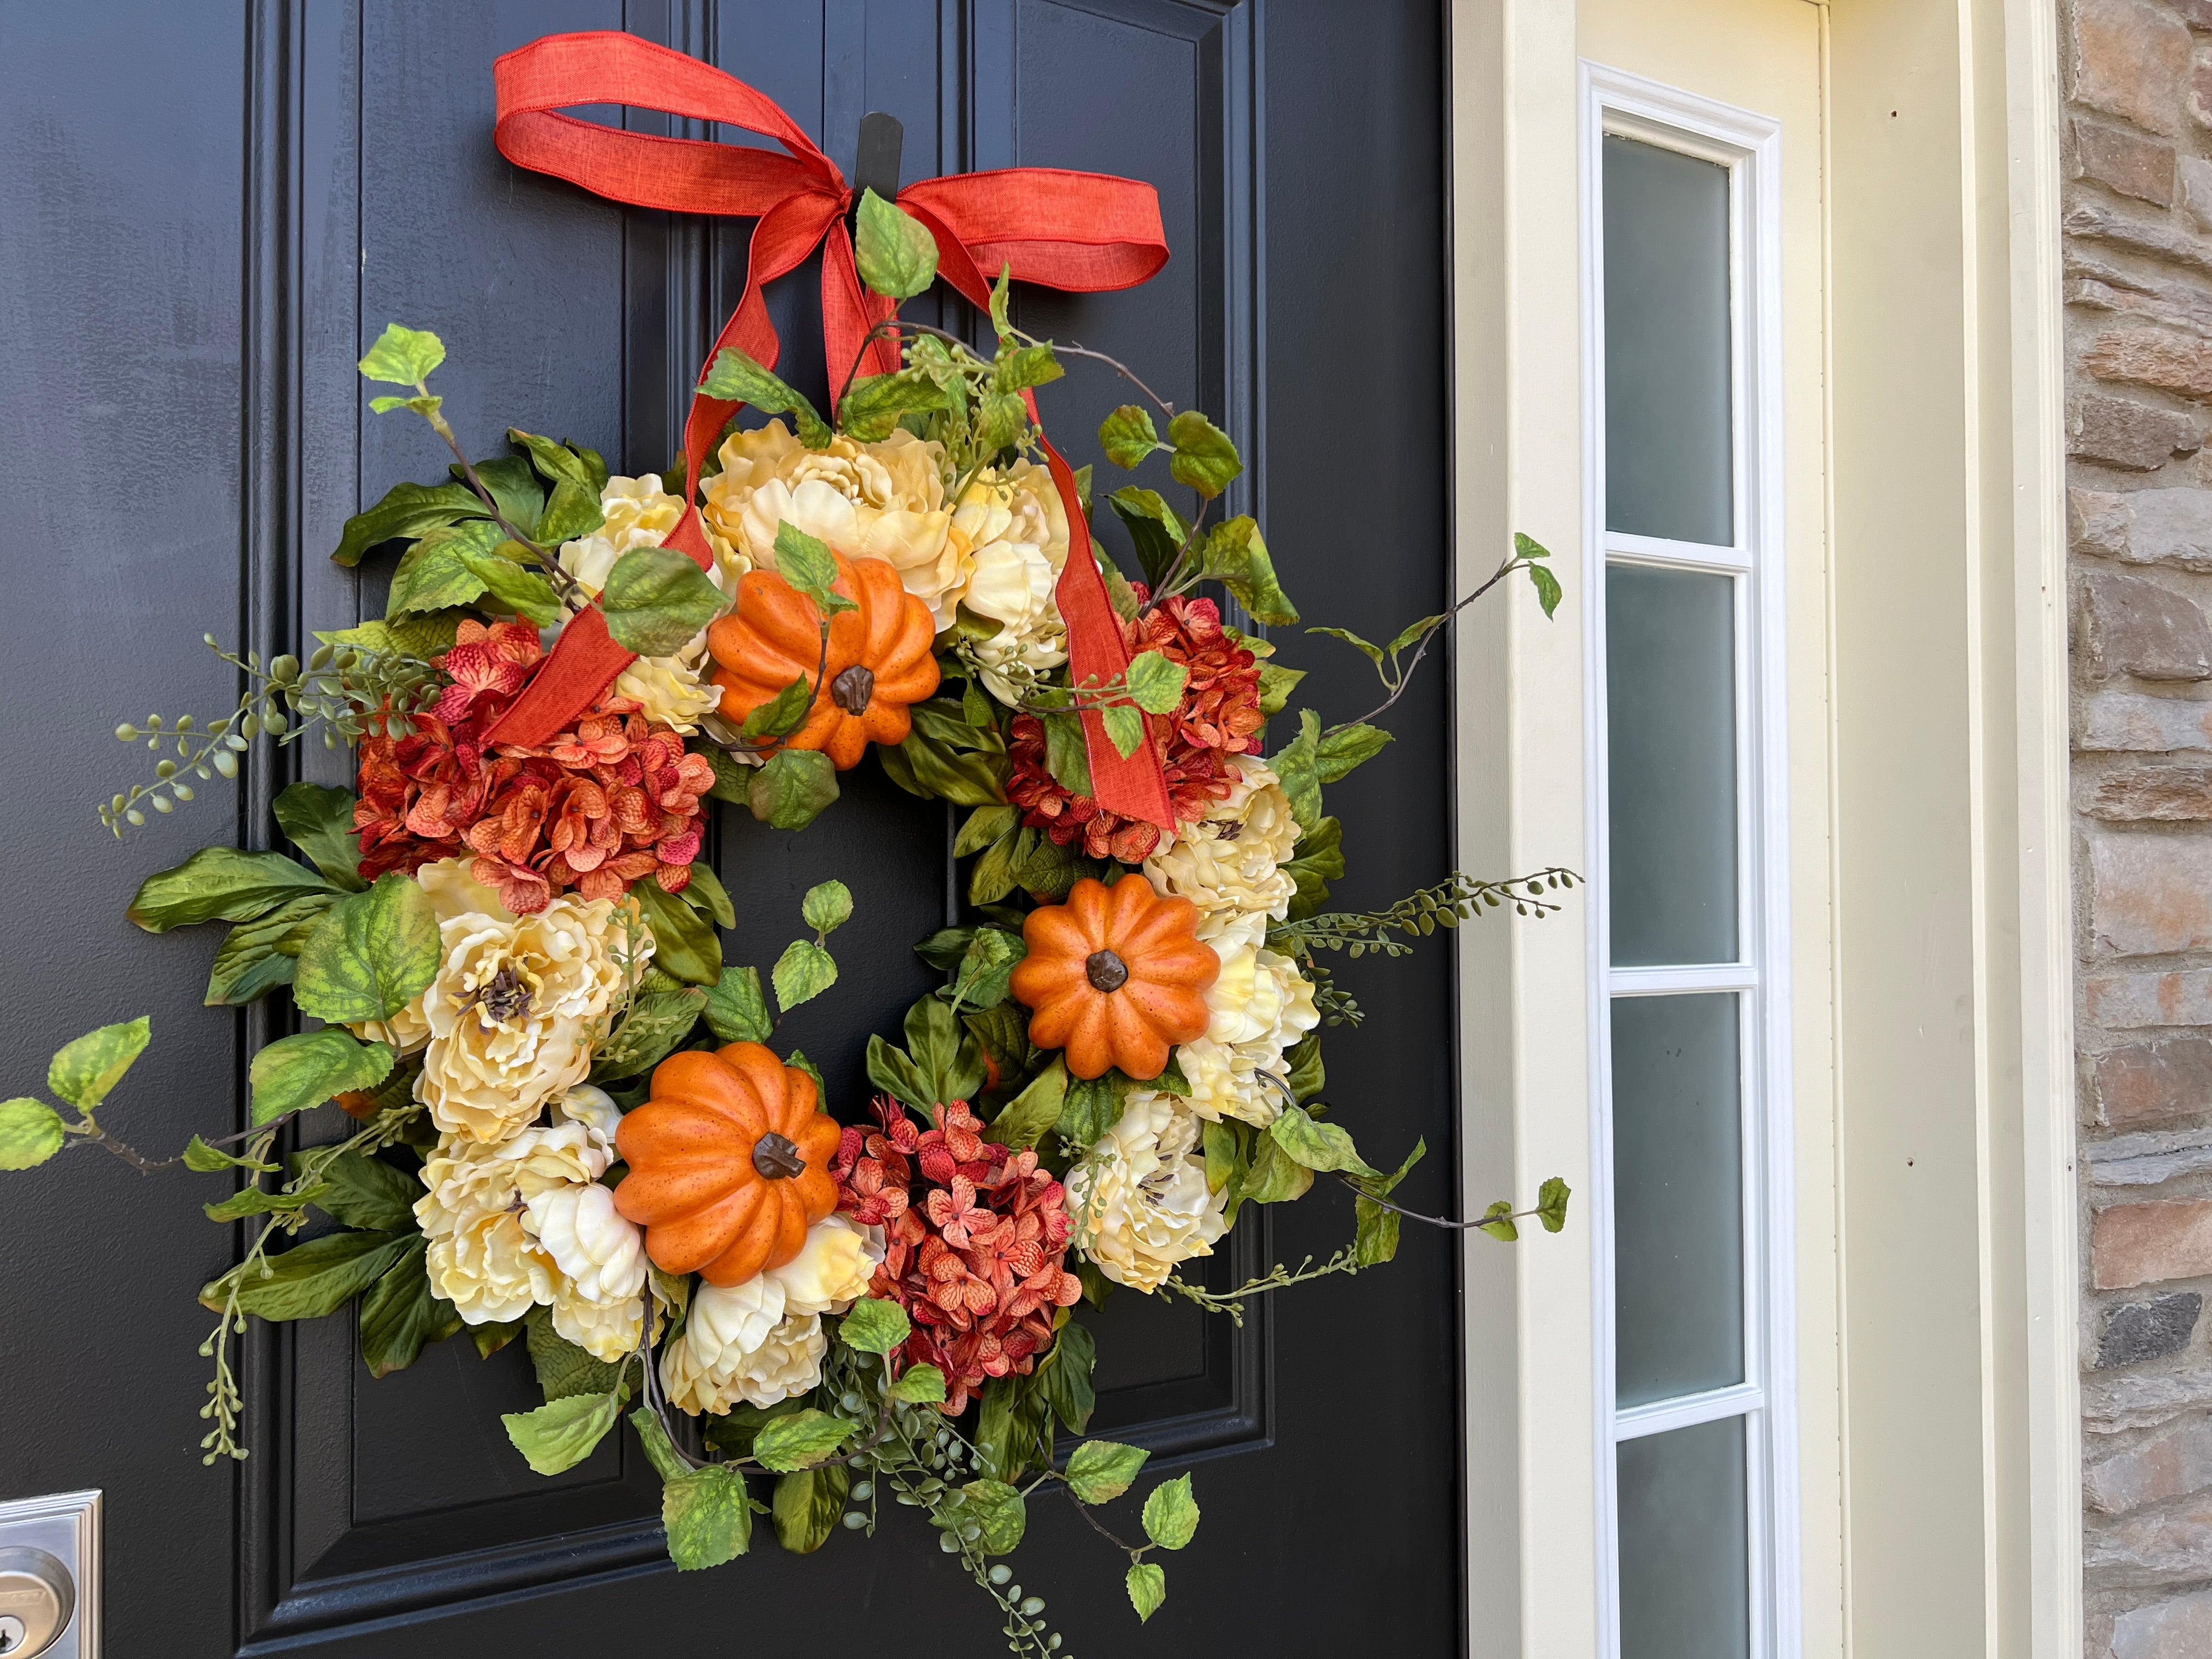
(1685, 1544)
(1670, 713)
(1678, 1202)
(1668, 464)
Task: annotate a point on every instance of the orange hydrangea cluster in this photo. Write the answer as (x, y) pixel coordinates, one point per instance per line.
(595, 809)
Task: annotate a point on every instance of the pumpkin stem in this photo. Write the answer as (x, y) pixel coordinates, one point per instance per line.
(852, 689)
(1106, 971)
(777, 1158)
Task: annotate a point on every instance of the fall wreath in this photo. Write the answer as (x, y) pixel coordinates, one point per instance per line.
(572, 1127)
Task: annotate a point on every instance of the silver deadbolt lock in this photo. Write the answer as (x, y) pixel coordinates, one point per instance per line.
(37, 1597)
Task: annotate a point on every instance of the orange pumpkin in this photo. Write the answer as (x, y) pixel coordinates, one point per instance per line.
(1116, 976)
(729, 1163)
(879, 659)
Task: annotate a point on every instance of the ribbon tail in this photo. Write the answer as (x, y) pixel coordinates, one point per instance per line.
(584, 661)
(1136, 785)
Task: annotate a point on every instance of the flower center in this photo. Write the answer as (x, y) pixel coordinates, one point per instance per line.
(504, 997)
(1106, 971)
(1230, 830)
(776, 1158)
(851, 689)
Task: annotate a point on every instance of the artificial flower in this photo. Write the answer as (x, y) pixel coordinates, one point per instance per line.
(599, 1261)
(832, 1269)
(740, 1342)
(1017, 530)
(1139, 1198)
(453, 892)
(641, 514)
(1230, 862)
(510, 1008)
(1260, 1006)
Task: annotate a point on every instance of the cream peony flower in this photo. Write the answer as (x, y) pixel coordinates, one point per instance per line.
(453, 892)
(741, 1343)
(598, 1259)
(1139, 1198)
(509, 1011)
(1017, 530)
(641, 514)
(882, 500)
(484, 1257)
(832, 1270)
(1260, 1005)
(1228, 864)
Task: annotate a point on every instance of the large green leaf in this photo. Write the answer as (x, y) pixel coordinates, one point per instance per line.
(319, 821)
(295, 1073)
(790, 790)
(317, 1278)
(1318, 1146)
(1152, 525)
(656, 1023)
(803, 972)
(220, 884)
(408, 510)
(807, 1505)
(402, 356)
(85, 1069)
(372, 955)
(734, 377)
(827, 906)
(685, 942)
(401, 1315)
(1295, 763)
(736, 1010)
(514, 585)
(656, 600)
(709, 1516)
(1234, 555)
(800, 1440)
(565, 1369)
(1338, 753)
(257, 957)
(366, 1192)
(1064, 1375)
(563, 1433)
(1171, 1514)
(894, 253)
(1147, 1584)
(1093, 1106)
(998, 1509)
(557, 461)
(874, 404)
(1066, 755)
(435, 575)
(1316, 861)
(1155, 684)
(30, 1132)
(987, 968)
(920, 1385)
(892, 1070)
(1102, 1470)
(1375, 1238)
(1127, 435)
(1205, 459)
(874, 1326)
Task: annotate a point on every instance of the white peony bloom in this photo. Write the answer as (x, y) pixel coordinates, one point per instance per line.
(598, 1298)
(1139, 1198)
(509, 1011)
(741, 1343)
(1228, 864)
(832, 1269)
(1261, 1005)
(1017, 528)
(641, 514)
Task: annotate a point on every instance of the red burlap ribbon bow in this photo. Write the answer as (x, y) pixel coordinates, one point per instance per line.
(1083, 231)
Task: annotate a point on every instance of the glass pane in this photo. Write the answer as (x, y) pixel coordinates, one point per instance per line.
(1685, 1544)
(1677, 1203)
(1666, 408)
(1670, 714)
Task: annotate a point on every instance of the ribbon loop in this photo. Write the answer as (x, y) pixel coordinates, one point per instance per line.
(1083, 232)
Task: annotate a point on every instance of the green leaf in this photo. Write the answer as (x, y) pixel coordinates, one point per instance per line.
(1102, 1470)
(253, 1201)
(1307, 1073)
(1373, 652)
(1003, 417)
(1093, 1106)
(371, 954)
(921, 1385)
(1066, 757)
(1318, 1146)
(1234, 555)
(736, 1012)
(1127, 435)
(563, 1433)
(1002, 300)
(1338, 753)
(783, 714)
(1497, 1222)
(435, 574)
(317, 1278)
(800, 1440)
(1316, 861)
(709, 1516)
(827, 906)
(659, 1450)
(30, 1132)
(319, 821)
(1205, 459)
(995, 873)
(1152, 525)
(221, 884)
(705, 892)
(1376, 1239)
(1171, 1514)
(572, 510)
(1276, 685)
(736, 378)
(517, 587)
(805, 563)
(875, 403)
(803, 972)
(514, 488)
(970, 779)
(807, 1505)
(295, 1073)
(85, 1069)
(874, 1326)
(890, 1070)
(1013, 1430)
(1412, 633)
(985, 825)
(490, 1339)
(1063, 1374)
(1551, 1204)
(1171, 1081)
(204, 1159)
(401, 1315)
(998, 1508)
(1026, 365)
(656, 600)
(257, 957)
(894, 252)
(1125, 727)
(685, 942)
(943, 1055)
(1155, 684)
(656, 1023)
(987, 966)
(402, 356)
(1527, 547)
(1546, 585)
(564, 1368)
(1274, 1177)
(408, 510)
(790, 792)
(366, 1192)
(1148, 1587)
(1297, 765)
(1225, 1153)
(556, 461)
(419, 637)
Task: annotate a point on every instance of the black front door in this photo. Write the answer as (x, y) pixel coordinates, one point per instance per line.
(208, 212)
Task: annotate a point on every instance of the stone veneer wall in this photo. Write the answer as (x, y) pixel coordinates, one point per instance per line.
(2138, 273)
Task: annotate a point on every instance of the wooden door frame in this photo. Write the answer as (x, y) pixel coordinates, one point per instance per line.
(1958, 451)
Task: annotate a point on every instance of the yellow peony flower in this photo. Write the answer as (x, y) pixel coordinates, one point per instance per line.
(509, 1012)
(832, 1269)
(598, 1259)
(641, 514)
(1139, 1198)
(741, 1343)
(1260, 1005)
(1016, 531)
(1228, 864)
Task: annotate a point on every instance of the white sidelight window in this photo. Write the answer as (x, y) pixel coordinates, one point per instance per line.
(1696, 1433)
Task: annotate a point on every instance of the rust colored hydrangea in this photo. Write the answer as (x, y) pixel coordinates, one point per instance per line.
(595, 809)
(1219, 715)
(976, 1240)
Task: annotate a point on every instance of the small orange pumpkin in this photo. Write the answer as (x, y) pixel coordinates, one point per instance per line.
(879, 659)
(1116, 976)
(729, 1163)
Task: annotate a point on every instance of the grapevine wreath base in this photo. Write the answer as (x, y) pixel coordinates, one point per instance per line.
(573, 1127)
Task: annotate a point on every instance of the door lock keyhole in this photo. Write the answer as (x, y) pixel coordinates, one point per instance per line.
(11, 1633)
(36, 1597)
